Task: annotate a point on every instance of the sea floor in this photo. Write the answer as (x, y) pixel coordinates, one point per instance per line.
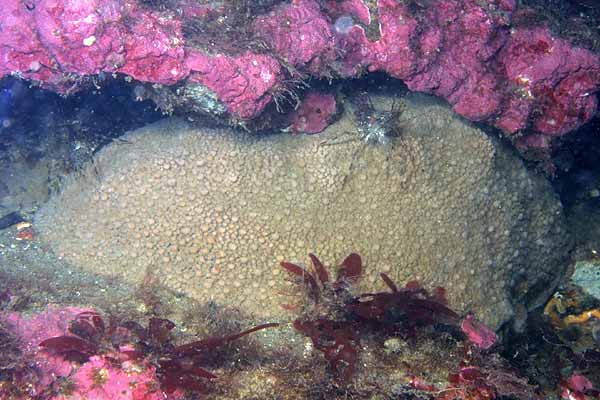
(260, 367)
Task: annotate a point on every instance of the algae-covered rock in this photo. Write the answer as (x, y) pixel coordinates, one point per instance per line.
(213, 212)
(587, 276)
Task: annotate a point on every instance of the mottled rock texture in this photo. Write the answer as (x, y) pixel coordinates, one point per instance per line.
(213, 212)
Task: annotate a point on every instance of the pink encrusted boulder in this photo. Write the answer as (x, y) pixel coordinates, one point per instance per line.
(153, 49)
(393, 52)
(534, 142)
(460, 57)
(446, 50)
(51, 39)
(21, 52)
(78, 38)
(55, 42)
(549, 78)
(244, 84)
(299, 34)
(314, 113)
(578, 387)
(466, 51)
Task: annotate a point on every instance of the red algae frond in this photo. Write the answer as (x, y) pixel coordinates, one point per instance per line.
(337, 330)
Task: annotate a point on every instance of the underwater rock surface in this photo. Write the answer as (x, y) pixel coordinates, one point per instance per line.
(212, 212)
(473, 53)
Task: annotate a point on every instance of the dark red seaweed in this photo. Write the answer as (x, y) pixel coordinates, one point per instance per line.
(350, 269)
(308, 279)
(399, 311)
(212, 343)
(181, 367)
(337, 340)
(70, 347)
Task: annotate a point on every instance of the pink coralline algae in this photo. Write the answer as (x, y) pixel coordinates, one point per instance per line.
(54, 41)
(244, 83)
(49, 39)
(105, 378)
(349, 8)
(459, 51)
(33, 330)
(300, 34)
(112, 376)
(467, 51)
(578, 387)
(477, 333)
(551, 79)
(314, 113)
